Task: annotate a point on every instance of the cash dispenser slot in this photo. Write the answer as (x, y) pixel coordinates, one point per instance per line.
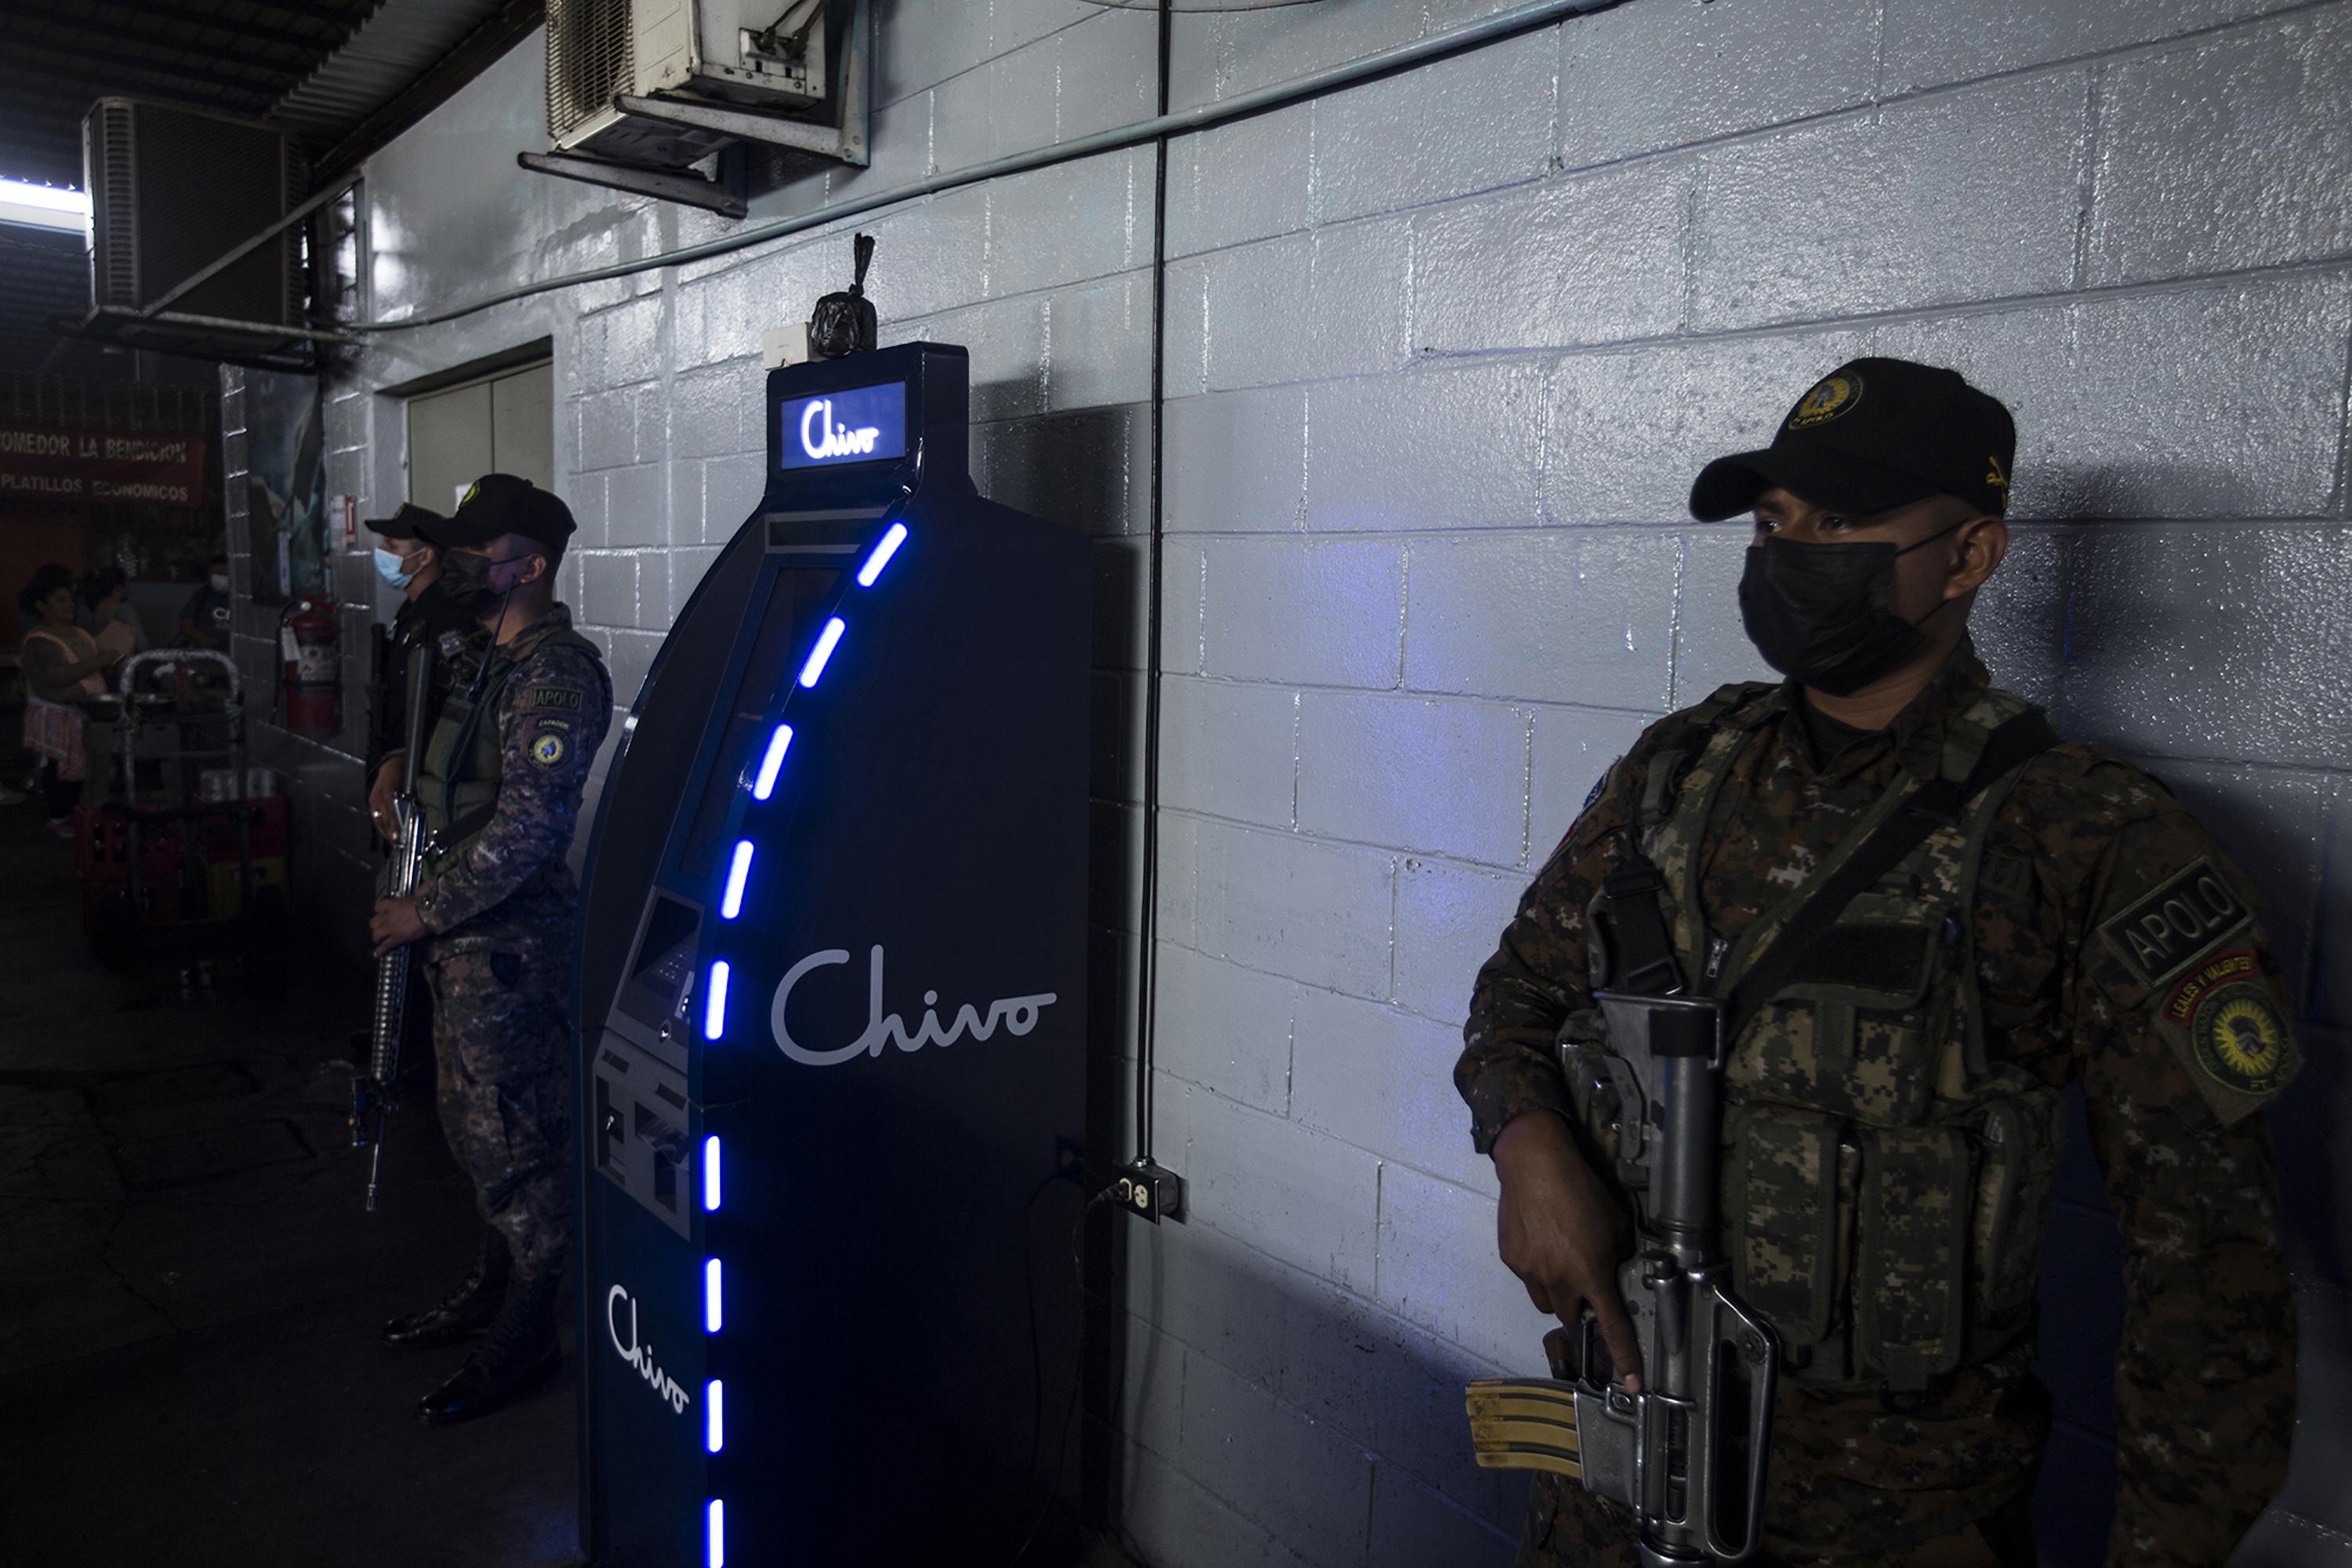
(643, 1137)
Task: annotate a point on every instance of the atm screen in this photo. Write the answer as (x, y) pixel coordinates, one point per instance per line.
(861, 424)
(665, 960)
(795, 595)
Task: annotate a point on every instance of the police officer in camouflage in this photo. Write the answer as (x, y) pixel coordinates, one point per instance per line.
(428, 615)
(500, 785)
(1892, 1118)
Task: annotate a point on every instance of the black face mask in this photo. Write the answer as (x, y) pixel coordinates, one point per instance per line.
(1819, 614)
(467, 580)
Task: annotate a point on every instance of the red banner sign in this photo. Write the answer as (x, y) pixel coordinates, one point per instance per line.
(82, 466)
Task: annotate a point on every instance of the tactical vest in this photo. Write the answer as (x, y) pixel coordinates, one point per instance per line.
(1883, 1184)
(457, 782)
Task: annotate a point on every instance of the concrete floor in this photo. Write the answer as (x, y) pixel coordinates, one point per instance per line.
(190, 1291)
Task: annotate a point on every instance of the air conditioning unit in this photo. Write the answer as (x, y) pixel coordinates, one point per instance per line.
(172, 190)
(764, 56)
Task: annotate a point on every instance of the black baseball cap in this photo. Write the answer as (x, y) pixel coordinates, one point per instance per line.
(406, 523)
(1871, 436)
(498, 504)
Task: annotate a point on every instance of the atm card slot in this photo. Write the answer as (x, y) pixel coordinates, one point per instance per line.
(643, 1140)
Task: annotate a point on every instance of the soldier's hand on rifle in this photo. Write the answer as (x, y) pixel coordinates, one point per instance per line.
(1562, 1234)
(396, 924)
(380, 794)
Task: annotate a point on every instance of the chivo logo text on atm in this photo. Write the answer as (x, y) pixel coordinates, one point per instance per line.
(1019, 1015)
(638, 1354)
(821, 437)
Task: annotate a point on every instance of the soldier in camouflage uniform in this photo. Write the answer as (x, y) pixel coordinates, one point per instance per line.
(500, 784)
(427, 616)
(1892, 1120)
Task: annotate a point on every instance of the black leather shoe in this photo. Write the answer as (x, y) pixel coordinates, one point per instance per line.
(464, 1312)
(518, 1354)
(461, 1316)
(482, 1385)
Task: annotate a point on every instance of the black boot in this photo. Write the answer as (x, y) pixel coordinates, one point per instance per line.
(464, 1312)
(516, 1356)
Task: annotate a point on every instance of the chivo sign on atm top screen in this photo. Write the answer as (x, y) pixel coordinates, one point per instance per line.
(860, 425)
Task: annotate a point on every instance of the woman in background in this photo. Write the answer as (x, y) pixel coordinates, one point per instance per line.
(108, 616)
(61, 663)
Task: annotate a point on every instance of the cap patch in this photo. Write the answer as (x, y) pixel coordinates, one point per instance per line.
(1997, 477)
(2234, 1028)
(548, 750)
(1831, 396)
(471, 491)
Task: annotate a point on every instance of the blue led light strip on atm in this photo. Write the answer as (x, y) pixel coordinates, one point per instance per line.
(772, 763)
(822, 651)
(736, 871)
(714, 1020)
(881, 556)
(714, 1004)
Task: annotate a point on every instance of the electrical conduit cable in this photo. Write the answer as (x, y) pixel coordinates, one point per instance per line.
(1502, 25)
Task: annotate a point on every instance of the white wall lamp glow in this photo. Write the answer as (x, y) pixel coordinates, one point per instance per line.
(57, 207)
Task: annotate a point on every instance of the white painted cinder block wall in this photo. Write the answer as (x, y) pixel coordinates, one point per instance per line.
(1441, 354)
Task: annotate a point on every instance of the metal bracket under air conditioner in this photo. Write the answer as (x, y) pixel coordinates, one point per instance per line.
(263, 345)
(846, 141)
(644, 179)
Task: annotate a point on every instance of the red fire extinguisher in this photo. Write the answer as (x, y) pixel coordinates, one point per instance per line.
(312, 677)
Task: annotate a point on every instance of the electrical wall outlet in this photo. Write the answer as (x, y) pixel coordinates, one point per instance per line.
(1150, 1192)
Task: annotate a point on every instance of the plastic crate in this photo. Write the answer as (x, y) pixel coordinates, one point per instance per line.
(266, 835)
(224, 898)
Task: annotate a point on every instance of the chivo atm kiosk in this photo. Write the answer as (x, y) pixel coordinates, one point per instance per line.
(833, 1013)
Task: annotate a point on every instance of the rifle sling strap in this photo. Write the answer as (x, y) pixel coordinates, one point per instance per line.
(1936, 803)
(1641, 948)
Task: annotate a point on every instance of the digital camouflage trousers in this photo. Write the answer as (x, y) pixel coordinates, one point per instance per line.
(501, 1046)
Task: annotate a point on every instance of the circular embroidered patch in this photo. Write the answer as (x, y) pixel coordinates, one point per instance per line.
(2240, 1039)
(548, 750)
(1832, 396)
(2233, 1023)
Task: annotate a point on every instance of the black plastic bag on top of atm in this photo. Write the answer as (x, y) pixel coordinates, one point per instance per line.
(844, 323)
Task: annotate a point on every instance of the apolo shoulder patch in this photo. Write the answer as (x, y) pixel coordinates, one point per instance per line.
(2163, 933)
(560, 696)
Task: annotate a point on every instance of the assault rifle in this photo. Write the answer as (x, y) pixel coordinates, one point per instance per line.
(1687, 1454)
(376, 1093)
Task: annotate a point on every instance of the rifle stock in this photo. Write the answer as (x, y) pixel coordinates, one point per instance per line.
(374, 1093)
